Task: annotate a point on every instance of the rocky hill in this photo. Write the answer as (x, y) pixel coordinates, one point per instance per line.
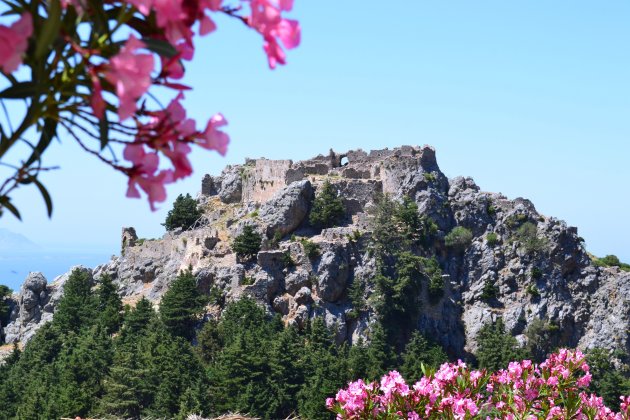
(519, 265)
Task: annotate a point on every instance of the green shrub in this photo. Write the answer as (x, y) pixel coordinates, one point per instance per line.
(527, 236)
(287, 260)
(311, 249)
(216, 296)
(458, 238)
(433, 271)
(356, 293)
(355, 236)
(516, 220)
(542, 338)
(247, 244)
(274, 242)
(253, 214)
(491, 209)
(247, 281)
(497, 347)
(492, 239)
(328, 209)
(611, 261)
(184, 214)
(533, 291)
(536, 273)
(489, 290)
(430, 177)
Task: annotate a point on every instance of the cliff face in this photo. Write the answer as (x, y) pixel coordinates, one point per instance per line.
(588, 306)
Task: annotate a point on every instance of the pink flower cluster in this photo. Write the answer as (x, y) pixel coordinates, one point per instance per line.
(120, 75)
(551, 390)
(170, 132)
(14, 41)
(267, 19)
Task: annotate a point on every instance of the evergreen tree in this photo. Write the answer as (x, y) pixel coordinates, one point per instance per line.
(181, 306)
(608, 381)
(542, 339)
(247, 244)
(379, 353)
(420, 352)
(173, 368)
(80, 369)
(77, 307)
(358, 360)
(5, 310)
(127, 389)
(184, 214)
(325, 372)
(497, 347)
(109, 305)
(137, 320)
(328, 209)
(209, 342)
(287, 372)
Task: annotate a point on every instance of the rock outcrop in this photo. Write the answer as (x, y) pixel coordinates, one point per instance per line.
(551, 279)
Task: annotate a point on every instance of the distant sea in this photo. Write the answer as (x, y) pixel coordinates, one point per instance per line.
(14, 267)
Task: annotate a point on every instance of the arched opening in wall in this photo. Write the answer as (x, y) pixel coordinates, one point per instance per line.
(344, 161)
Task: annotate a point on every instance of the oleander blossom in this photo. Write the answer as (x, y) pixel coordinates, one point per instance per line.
(171, 133)
(130, 73)
(97, 65)
(14, 42)
(267, 19)
(523, 390)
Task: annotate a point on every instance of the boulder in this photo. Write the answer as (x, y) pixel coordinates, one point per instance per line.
(286, 210)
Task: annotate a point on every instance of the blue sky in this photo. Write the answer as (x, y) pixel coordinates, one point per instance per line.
(531, 99)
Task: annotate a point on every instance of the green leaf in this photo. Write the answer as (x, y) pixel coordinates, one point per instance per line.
(103, 128)
(48, 133)
(45, 196)
(50, 29)
(4, 202)
(160, 47)
(21, 90)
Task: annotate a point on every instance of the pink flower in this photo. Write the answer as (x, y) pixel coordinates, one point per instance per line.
(143, 6)
(14, 41)
(130, 73)
(267, 19)
(213, 138)
(96, 101)
(143, 174)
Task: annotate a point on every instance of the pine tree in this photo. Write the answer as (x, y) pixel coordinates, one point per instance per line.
(127, 389)
(173, 368)
(247, 244)
(5, 310)
(497, 347)
(109, 305)
(77, 307)
(287, 372)
(328, 209)
(181, 306)
(379, 353)
(136, 321)
(184, 214)
(80, 369)
(325, 372)
(420, 352)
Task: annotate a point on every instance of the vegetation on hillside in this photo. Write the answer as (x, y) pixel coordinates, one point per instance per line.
(328, 209)
(184, 214)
